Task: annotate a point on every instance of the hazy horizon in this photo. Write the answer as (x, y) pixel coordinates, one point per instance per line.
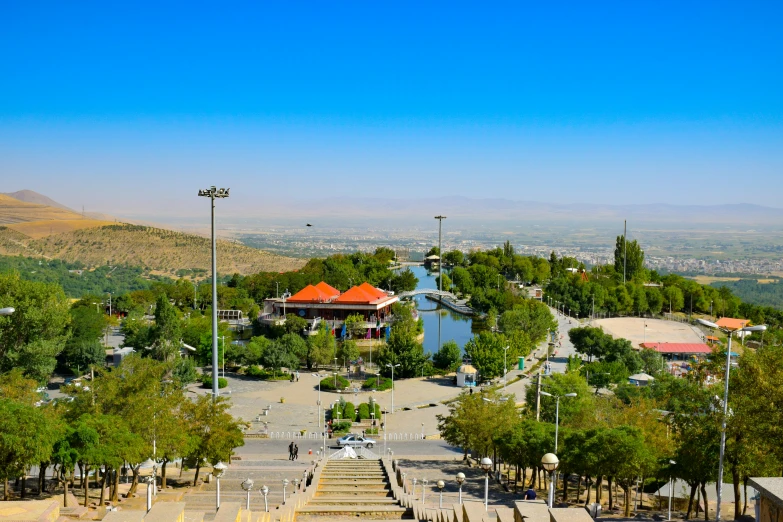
(131, 111)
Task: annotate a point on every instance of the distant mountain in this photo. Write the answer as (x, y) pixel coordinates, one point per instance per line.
(30, 196)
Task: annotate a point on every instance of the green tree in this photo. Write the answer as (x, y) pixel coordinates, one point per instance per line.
(33, 336)
(349, 351)
(630, 255)
(167, 332)
(277, 356)
(459, 427)
(403, 281)
(354, 326)
(652, 362)
(215, 432)
(448, 358)
(454, 258)
(321, 347)
(80, 356)
(486, 351)
(402, 348)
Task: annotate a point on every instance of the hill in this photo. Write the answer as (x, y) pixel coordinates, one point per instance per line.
(30, 196)
(157, 250)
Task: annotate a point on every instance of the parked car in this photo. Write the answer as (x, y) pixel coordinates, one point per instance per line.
(355, 440)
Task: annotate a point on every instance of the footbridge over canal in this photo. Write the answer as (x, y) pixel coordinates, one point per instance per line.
(443, 297)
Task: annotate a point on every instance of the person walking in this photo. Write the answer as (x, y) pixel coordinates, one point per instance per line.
(530, 494)
(291, 451)
(296, 452)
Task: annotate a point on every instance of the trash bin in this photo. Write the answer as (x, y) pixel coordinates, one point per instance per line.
(521, 365)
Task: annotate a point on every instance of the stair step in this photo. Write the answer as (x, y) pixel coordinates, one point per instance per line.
(326, 501)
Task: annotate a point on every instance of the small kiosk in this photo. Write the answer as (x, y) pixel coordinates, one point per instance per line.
(467, 375)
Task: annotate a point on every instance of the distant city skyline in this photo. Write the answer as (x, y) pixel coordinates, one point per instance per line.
(131, 110)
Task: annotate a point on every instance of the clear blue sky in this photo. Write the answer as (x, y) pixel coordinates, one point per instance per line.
(630, 102)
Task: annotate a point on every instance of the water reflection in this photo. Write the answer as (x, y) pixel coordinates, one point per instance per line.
(453, 326)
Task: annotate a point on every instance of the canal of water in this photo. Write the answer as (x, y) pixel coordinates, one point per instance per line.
(453, 326)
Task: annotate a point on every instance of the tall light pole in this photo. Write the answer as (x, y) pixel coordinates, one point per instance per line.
(392, 366)
(213, 193)
(671, 488)
(440, 269)
(557, 410)
(758, 328)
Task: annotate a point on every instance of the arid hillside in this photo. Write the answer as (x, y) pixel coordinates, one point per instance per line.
(158, 250)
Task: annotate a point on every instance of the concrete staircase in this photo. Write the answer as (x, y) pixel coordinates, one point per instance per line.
(353, 488)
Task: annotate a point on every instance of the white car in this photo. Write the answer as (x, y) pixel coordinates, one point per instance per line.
(355, 440)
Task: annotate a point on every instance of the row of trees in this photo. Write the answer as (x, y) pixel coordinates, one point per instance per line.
(136, 412)
(668, 429)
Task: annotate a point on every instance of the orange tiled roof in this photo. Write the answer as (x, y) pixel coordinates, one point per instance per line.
(362, 294)
(367, 287)
(310, 294)
(732, 324)
(328, 290)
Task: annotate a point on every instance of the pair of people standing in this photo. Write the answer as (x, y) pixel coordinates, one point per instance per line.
(293, 451)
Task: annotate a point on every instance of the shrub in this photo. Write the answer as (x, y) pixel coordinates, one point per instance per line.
(206, 381)
(375, 383)
(337, 408)
(341, 427)
(327, 383)
(267, 375)
(364, 411)
(371, 431)
(378, 411)
(350, 411)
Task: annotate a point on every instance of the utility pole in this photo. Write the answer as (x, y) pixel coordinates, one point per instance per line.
(440, 269)
(538, 394)
(625, 248)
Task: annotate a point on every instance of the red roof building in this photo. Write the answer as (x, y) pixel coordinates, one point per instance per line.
(322, 302)
(679, 350)
(729, 323)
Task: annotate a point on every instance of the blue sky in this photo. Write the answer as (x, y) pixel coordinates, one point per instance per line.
(134, 106)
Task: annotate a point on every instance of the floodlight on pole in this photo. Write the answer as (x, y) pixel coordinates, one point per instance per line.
(212, 193)
(729, 333)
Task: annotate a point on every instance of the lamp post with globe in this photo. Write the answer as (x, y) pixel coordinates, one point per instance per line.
(285, 485)
(218, 469)
(247, 485)
(265, 492)
(550, 462)
(486, 465)
(441, 485)
(460, 480)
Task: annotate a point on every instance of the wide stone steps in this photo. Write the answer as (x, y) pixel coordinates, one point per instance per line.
(351, 489)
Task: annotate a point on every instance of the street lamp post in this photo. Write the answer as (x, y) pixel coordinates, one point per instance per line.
(440, 485)
(414, 487)
(557, 410)
(265, 492)
(671, 488)
(758, 328)
(285, 485)
(486, 465)
(150, 480)
(460, 480)
(550, 462)
(213, 193)
(424, 483)
(218, 469)
(247, 485)
(392, 366)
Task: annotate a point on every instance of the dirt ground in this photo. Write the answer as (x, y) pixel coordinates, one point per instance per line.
(657, 330)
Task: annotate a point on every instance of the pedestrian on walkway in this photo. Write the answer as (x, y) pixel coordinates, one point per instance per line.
(291, 451)
(296, 452)
(530, 494)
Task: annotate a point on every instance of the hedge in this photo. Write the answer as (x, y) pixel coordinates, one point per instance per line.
(375, 383)
(378, 411)
(341, 427)
(327, 383)
(206, 381)
(267, 375)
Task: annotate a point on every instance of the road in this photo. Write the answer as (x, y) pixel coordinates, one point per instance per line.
(564, 323)
(278, 448)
